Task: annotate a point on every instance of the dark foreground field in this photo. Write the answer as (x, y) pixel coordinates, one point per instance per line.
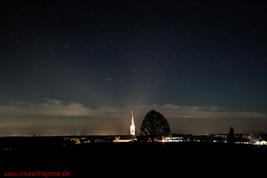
(134, 159)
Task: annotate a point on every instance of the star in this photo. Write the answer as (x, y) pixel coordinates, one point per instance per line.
(35, 65)
(132, 70)
(108, 79)
(66, 45)
(18, 41)
(244, 4)
(50, 50)
(121, 50)
(171, 27)
(173, 59)
(101, 44)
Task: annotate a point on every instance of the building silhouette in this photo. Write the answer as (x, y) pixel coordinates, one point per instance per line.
(132, 125)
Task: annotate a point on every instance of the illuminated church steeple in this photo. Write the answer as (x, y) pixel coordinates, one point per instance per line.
(132, 126)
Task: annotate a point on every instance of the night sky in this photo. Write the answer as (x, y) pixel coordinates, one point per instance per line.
(80, 67)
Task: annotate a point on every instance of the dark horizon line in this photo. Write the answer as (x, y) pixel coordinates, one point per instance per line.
(106, 135)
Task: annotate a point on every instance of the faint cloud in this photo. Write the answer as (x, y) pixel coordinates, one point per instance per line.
(55, 117)
(108, 79)
(209, 112)
(47, 108)
(57, 108)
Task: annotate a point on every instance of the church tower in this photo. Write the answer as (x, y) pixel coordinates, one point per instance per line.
(132, 126)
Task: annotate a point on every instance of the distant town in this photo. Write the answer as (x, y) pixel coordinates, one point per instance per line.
(155, 128)
(257, 139)
(65, 155)
(150, 124)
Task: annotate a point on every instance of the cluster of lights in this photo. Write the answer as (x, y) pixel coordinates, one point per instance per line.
(257, 142)
(172, 139)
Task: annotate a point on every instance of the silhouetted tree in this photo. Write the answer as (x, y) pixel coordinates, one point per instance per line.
(155, 125)
(231, 136)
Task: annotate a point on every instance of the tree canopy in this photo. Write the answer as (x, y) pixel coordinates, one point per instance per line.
(155, 125)
(231, 136)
